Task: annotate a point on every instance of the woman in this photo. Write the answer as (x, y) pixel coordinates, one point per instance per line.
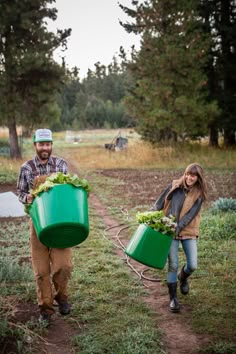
(183, 199)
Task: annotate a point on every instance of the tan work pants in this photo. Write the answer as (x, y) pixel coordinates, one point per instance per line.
(51, 266)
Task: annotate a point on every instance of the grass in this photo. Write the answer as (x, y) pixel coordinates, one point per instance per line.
(108, 302)
(104, 295)
(213, 285)
(142, 155)
(90, 154)
(17, 285)
(8, 170)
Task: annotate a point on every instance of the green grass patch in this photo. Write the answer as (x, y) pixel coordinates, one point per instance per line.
(213, 285)
(108, 301)
(17, 286)
(108, 307)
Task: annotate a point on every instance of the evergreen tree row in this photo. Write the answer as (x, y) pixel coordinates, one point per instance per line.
(184, 76)
(96, 101)
(180, 85)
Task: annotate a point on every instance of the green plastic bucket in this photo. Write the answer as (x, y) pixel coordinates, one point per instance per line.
(60, 216)
(149, 247)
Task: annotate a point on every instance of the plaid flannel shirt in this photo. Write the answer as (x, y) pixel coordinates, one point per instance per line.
(26, 176)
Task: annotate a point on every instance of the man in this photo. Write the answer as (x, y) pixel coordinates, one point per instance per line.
(50, 265)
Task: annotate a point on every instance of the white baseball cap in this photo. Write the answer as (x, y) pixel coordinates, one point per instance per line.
(41, 135)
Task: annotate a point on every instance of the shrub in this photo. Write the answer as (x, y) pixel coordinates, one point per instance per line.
(224, 204)
(10, 271)
(218, 226)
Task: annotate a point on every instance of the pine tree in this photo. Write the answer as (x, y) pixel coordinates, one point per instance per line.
(219, 20)
(29, 77)
(168, 97)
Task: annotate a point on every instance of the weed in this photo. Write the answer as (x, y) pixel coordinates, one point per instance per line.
(10, 271)
(220, 348)
(224, 204)
(220, 226)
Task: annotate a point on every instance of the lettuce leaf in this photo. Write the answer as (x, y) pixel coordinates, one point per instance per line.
(58, 178)
(158, 221)
(61, 178)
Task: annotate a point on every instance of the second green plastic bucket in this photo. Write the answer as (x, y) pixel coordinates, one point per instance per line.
(149, 247)
(60, 216)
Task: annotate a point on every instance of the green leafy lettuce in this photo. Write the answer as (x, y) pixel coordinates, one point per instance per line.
(55, 179)
(158, 221)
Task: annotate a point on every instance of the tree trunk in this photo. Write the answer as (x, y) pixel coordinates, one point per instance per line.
(227, 18)
(229, 137)
(213, 136)
(14, 145)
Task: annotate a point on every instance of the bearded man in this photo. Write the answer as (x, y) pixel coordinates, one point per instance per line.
(51, 266)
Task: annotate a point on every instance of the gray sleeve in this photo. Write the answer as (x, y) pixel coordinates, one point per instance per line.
(159, 203)
(187, 218)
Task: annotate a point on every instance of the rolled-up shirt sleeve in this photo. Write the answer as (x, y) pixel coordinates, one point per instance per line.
(26, 175)
(23, 184)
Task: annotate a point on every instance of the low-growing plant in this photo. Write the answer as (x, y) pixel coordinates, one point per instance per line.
(11, 271)
(17, 338)
(9, 177)
(218, 226)
(219, 348)
(224, 204)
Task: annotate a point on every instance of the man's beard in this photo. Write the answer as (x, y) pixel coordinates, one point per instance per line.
(44, 155)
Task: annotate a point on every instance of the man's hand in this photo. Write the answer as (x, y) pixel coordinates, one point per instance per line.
(29, 199)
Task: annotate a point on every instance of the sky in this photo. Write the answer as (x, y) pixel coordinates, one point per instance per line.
(96, 32)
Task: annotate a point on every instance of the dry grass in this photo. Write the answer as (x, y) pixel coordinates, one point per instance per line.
(142, 155)
(8, 165)
(90, 154)
(4, 132)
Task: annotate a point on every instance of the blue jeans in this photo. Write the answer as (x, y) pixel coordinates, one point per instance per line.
(190, 251)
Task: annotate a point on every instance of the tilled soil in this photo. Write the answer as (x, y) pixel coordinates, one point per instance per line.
(142, 187)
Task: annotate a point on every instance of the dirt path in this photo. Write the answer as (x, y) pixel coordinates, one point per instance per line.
(178, 337)
(58, 338)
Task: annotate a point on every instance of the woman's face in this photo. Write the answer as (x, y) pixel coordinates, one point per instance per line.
(190, 179)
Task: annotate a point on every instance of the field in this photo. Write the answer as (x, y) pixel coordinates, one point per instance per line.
(120, 306)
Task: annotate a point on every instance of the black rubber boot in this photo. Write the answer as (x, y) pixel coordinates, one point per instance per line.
(184, 287)
(174, 304)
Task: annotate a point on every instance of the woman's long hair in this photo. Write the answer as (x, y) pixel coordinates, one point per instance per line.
(196, 170)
